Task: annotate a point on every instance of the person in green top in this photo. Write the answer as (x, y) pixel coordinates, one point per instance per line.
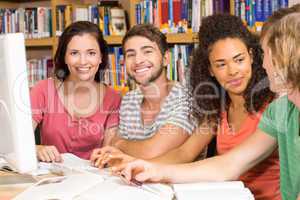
(281, 45)
(278, 128)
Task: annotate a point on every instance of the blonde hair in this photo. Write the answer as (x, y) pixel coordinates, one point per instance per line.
(283, 39)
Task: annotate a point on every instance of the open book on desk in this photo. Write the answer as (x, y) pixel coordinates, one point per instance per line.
(60, 187)
(81, 181)
(71, 165)
(115, 189)
(229, 190)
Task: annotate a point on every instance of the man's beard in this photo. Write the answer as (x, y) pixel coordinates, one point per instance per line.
(153, 77)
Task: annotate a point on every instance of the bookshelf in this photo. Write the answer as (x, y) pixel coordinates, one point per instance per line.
(128, 5)
(136, 10)
(43, 42)
(46, 46)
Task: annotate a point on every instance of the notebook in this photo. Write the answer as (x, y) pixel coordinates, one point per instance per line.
(230, 190)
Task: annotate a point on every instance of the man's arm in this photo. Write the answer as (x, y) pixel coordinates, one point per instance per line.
(166, 138)
(255, 149)
(228, 166)
(189, 150)
(110, 135)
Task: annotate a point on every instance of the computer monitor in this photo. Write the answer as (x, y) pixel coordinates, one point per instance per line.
(17, 145)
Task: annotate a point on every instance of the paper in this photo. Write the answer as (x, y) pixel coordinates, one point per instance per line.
(231, 190)
(115, 189)
(216, 194)
(208, 185)
(71, 163)
(60, 188)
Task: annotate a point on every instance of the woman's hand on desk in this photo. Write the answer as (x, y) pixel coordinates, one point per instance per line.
(109, 156)
(48, 153)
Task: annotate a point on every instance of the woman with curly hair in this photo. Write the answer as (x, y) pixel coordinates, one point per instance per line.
(231, 91)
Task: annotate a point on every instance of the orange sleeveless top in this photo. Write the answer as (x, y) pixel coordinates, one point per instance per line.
(264, 179)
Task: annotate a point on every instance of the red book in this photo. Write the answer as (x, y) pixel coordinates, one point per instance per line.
(164, 12)
(176, 11)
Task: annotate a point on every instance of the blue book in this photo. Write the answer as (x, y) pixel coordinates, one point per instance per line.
(251, 15)
(283, 3)
(146, 11)
(171, 18)
(106, 21)
(274, 5)
(247, 6)
(184, 9)
(259, 11)
(117, 58)
(267, 9)
(138, 10)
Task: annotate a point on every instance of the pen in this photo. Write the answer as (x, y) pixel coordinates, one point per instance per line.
(140, 185)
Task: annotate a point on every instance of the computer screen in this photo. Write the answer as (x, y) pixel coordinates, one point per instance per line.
(17, 145)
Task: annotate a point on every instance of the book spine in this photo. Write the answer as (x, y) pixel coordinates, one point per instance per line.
(237, 8)
(267, 9)
(165, 10)
(284, 3)
(274, 6)
(177, 11)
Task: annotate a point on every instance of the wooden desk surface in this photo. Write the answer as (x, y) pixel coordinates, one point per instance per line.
(8, 192)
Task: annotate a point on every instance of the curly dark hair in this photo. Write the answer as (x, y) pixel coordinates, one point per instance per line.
(210, 98)
(61, 70)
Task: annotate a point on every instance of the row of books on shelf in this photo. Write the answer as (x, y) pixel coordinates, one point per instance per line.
(171, 16)
(111, 20)
(33, 22)
(115, 75)
(39, 69)
(177, 69)
(180, 16)
(255, 12)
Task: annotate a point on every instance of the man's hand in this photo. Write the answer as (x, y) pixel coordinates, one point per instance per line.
(109, 156)
(141, 170)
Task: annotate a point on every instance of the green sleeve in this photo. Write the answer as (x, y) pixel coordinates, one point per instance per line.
(275, 118)
(266, 123)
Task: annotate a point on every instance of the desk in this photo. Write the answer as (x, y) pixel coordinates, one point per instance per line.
(111, 190)
(8, 192)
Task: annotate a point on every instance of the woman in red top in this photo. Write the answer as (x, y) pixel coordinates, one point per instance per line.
(76, 112)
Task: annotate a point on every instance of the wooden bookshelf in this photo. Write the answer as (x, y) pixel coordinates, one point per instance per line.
(113, 40)
(178, 38)
(7, 4)
(183, 38)
(39, 42)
